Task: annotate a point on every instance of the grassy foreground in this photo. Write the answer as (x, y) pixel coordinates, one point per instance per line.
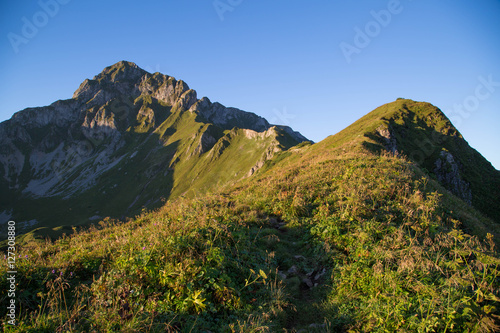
(314, 243)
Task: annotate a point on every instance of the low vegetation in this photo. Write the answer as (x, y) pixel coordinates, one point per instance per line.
(338, 236)
(360, 243)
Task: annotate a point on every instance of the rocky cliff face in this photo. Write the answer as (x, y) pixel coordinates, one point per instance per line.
(121, 125)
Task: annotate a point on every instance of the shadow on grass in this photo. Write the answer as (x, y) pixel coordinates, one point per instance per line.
(423, 144)
(305, 268)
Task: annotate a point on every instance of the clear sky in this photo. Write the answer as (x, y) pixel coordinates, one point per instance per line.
(316, 66)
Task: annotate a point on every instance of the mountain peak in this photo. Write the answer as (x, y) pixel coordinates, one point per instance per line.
(122, 76)
(424, 134)
(429, 114)
(122, 70)
(123, 124)
(126, 79)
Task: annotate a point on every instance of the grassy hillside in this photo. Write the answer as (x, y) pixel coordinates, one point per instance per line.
(422, 133)
(336, 236)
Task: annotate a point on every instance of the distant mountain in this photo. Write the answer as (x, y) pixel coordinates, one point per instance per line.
(127, 139)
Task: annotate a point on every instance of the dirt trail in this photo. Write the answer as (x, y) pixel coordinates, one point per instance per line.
(303, 276)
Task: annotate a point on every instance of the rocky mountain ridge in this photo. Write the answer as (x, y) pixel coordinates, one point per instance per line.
(74, 146)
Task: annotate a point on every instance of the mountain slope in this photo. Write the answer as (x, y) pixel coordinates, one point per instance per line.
(337, 236)
(422, 133)
(127, 139)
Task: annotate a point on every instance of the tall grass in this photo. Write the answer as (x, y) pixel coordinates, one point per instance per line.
(388, 238)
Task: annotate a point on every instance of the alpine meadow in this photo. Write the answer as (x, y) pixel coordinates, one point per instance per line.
(141, 208)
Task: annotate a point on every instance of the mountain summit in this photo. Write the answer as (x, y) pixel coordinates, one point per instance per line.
(422, 133)
(127, 139)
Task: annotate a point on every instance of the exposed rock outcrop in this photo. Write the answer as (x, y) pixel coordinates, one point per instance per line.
(390, 140)
(448, 173)
(228, 118)
(205, 142)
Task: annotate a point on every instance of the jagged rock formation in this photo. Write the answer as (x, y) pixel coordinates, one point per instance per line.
(124, 140)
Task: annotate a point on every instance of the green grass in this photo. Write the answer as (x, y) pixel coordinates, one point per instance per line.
(394, 256)
(421, 132)
(332, 237)
(399, 261)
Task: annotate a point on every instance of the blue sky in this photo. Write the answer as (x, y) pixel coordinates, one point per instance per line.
(316, 66)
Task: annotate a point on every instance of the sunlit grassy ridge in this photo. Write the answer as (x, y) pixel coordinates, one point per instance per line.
(422, 132)
(388, 243)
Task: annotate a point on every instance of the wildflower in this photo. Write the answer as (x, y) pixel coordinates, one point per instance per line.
(143, 248)
(61, 273)
(71, 274)
(53, 271)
